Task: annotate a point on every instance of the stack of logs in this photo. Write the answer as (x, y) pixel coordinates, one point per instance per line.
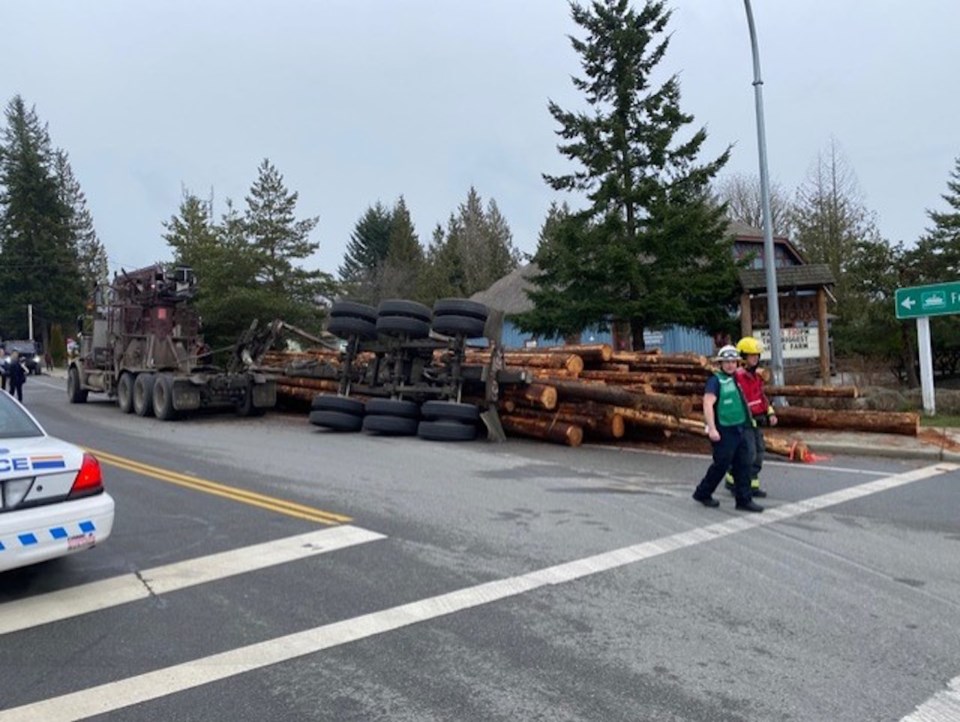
(591, 390)
(302, 375)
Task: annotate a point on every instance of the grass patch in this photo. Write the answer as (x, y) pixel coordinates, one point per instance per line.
(941, 420)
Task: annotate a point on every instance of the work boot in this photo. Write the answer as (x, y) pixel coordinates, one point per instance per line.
(755, 490)
(748, 506)
(706, 500)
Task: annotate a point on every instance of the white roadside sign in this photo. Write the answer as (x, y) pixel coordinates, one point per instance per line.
(795, 342)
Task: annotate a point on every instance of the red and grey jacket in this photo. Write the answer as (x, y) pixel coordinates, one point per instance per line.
(751, 386)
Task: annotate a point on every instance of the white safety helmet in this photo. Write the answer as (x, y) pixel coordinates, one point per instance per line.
(728, 353)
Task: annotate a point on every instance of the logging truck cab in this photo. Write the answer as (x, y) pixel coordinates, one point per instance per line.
(140, 343)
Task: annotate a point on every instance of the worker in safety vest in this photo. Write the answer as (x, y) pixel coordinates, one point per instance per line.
(729, 427)
(761, 410)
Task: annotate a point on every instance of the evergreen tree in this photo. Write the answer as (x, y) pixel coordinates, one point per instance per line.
(478, 246)
(91, 254)
(443, 274)
(401, 268)
(650, 248)
(366, 251)
(38, 256)
(281, 240)
(942, 242)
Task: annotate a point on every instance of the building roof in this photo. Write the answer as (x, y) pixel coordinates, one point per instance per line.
(509, 293)
(789, 278)
(743, 233)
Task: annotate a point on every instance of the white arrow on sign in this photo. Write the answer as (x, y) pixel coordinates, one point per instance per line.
(908, 303)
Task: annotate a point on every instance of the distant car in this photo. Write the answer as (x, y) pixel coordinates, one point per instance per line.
(52, 500)
(30, 354)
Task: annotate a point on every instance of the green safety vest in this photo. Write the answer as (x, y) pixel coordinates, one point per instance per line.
(729, 409)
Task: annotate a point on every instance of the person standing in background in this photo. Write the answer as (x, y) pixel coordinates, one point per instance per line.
(16, 376)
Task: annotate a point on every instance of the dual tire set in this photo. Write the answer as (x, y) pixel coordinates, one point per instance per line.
(432, 420)
(408, 319)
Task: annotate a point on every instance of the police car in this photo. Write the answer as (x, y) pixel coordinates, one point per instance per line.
(52, 501)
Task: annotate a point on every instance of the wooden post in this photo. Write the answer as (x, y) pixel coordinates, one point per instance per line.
(746, 322)
(823, 336)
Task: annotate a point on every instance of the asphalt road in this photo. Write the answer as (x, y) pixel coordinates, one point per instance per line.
(477, 581)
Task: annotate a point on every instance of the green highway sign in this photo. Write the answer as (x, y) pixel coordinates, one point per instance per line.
(940, 299)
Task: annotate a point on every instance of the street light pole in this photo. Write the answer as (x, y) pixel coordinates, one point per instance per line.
(769, 258)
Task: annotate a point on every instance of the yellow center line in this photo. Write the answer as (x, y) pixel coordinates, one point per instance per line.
(222, 490)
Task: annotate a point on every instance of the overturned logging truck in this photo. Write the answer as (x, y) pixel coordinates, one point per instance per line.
(402, 370)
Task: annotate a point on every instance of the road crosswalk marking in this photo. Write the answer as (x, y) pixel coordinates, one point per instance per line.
(123, 693)
(71, 602)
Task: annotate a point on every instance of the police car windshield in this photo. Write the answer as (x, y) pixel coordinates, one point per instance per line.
(14, 422)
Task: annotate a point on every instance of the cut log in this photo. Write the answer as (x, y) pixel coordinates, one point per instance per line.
(608, 426)
(793, 449)
(833, 392)
(540, 396)
(635, 358)
(882, 422)
(569, 362)
(558, 432)
(621, 397)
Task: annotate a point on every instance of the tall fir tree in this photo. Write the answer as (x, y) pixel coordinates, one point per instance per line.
(401, 268)
(91, 254)
(38, 256)
(942, 241)
(651, 249)
(475, 250)
(366, 251)
(282, 242)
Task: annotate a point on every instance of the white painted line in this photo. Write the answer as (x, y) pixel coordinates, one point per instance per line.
(159, 683)
(942, 707)
(112, 592)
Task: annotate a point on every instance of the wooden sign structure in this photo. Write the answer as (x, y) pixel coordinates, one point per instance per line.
(803, 291)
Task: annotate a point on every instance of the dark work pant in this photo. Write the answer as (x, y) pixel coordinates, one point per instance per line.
(16, 390)
(758, 447)
(731, 452)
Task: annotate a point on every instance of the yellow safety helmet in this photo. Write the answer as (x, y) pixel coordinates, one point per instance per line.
(748, 345)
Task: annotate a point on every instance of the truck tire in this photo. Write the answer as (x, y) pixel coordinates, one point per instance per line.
(458, 326)
(412, 328)
(393, 407)
(408, 309)
(163, 398)
(336, 420)
(346, 326)
(74, 392)
(332, 402)
(143, 394)
(351, 309)
(125, 392)
(390, 425)
(446, 431)
(245, 406)
(450, 411)
(460, 307)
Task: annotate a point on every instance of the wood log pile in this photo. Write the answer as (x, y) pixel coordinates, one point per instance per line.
(590, 392)
(610, 394)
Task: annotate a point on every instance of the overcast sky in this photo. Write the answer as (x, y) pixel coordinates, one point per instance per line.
(358, 101)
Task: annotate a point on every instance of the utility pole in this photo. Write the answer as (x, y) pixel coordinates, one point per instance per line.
(769, 257)
(30, 321)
